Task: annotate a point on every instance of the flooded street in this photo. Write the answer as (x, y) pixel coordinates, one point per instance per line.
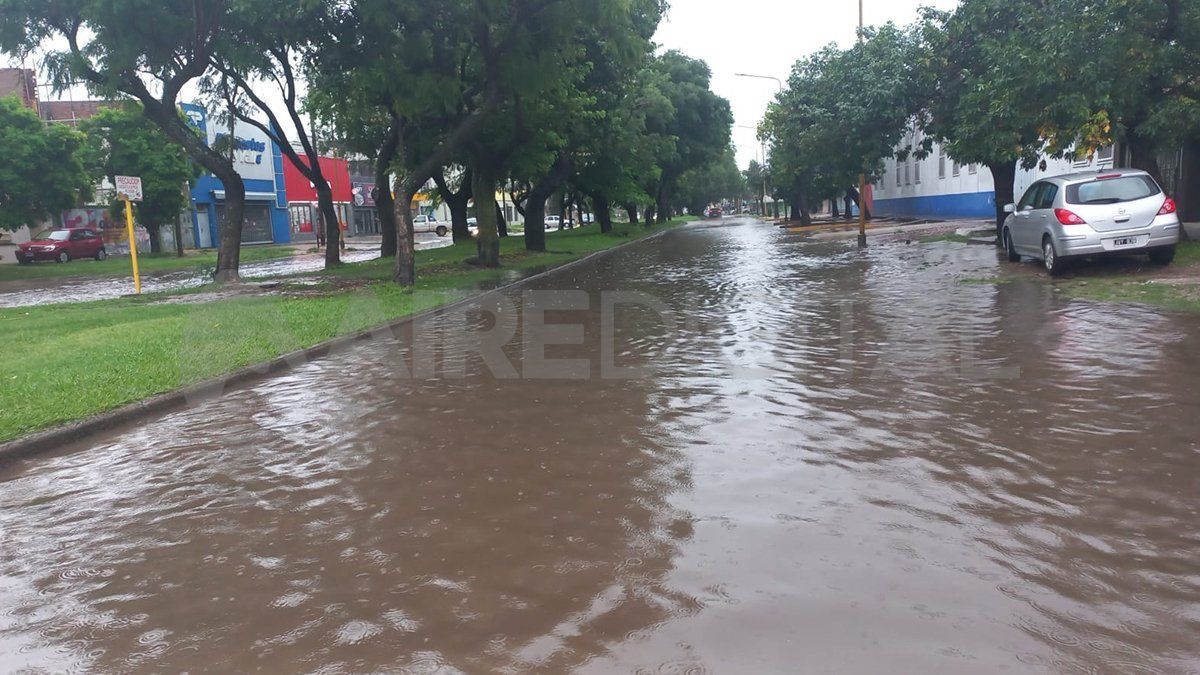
(84, 289)
(823, 461)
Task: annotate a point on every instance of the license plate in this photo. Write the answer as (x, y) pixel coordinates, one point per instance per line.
(1125, 241)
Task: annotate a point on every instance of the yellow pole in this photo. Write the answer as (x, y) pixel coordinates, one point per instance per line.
(137, 278)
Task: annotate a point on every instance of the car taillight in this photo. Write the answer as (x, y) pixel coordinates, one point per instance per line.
(1168, 207)
(1068, 218)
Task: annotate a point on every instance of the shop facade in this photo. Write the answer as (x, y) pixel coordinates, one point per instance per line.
(260, 164)
(303, 211)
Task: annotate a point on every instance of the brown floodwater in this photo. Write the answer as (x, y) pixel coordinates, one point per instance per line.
(819, 460)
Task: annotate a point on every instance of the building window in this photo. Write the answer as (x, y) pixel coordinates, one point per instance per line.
(955, 169)
(972, 169)
(941, 162)
(916, 170)
(1104, 154)
(907, 173)
(899, 175)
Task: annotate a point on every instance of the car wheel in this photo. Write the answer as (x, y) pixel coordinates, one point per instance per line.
(1162, 256)
(63, 257)
(25, 261)
(101, 254)
(1054, 264)
(441, 230)
(1013, 256)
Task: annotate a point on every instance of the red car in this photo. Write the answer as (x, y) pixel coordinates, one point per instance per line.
(62, 245)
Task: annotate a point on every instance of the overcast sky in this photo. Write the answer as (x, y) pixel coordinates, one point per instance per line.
(765, 37)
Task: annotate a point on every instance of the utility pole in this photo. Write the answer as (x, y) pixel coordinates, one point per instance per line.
(862, 177)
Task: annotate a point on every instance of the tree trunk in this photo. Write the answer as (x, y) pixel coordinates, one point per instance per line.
(833, 208)
(800, 208)
(155, 232)
(487, 241)
(535, 202)
(632, 211)
(1004, 175)
(661, 210)
(1188, 196)
(501, 222)
(603, 213)
(385, 211)
(405, 268)
(535, 222)
(649, 215)
(229, 246)
(329, 219)
(385, 205)
(1142, 155)
(457, 202)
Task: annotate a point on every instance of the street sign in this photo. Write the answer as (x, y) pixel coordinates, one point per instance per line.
(129, 187)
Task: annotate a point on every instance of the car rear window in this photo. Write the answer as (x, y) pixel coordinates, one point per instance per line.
(1112, 190)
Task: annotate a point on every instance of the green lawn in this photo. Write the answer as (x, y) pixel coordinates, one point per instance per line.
(67, 362)
(148, 264)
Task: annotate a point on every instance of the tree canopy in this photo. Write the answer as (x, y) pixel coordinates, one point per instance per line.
(122, 142)
(41, 172)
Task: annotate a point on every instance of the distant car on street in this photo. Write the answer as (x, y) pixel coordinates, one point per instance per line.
(1070, 217)
(555, 223)
(714, 212)
(62, 245)
(430, 223)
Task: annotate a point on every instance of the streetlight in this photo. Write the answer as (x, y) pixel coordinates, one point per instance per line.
(763, 77)
(779, 82)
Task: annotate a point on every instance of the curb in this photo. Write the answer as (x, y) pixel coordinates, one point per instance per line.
(53, 438)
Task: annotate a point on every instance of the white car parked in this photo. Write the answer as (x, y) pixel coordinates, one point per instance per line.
(430, 223)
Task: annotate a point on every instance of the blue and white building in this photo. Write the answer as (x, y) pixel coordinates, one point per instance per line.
(260, 163)
(939, 187)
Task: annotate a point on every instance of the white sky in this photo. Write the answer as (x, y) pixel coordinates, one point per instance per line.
(765, 37)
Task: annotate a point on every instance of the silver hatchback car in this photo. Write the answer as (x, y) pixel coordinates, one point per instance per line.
(1119, 211)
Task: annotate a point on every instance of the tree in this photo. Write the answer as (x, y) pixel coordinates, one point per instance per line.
(711, 183)
(701, 124)
(432, 71)
(252, 59)
(993, 95)
(147, 51)
(122, 141)
(756, 183)
(613, 148)
(843, 113)
(42, 172)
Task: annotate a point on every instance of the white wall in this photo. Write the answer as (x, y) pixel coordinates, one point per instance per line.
(933, 183)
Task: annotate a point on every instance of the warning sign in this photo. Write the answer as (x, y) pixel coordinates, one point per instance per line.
(129, 187)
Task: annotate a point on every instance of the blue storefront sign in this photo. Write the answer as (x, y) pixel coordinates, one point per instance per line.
(259, 162)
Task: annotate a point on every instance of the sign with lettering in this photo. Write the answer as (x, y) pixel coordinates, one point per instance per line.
(129, 187)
